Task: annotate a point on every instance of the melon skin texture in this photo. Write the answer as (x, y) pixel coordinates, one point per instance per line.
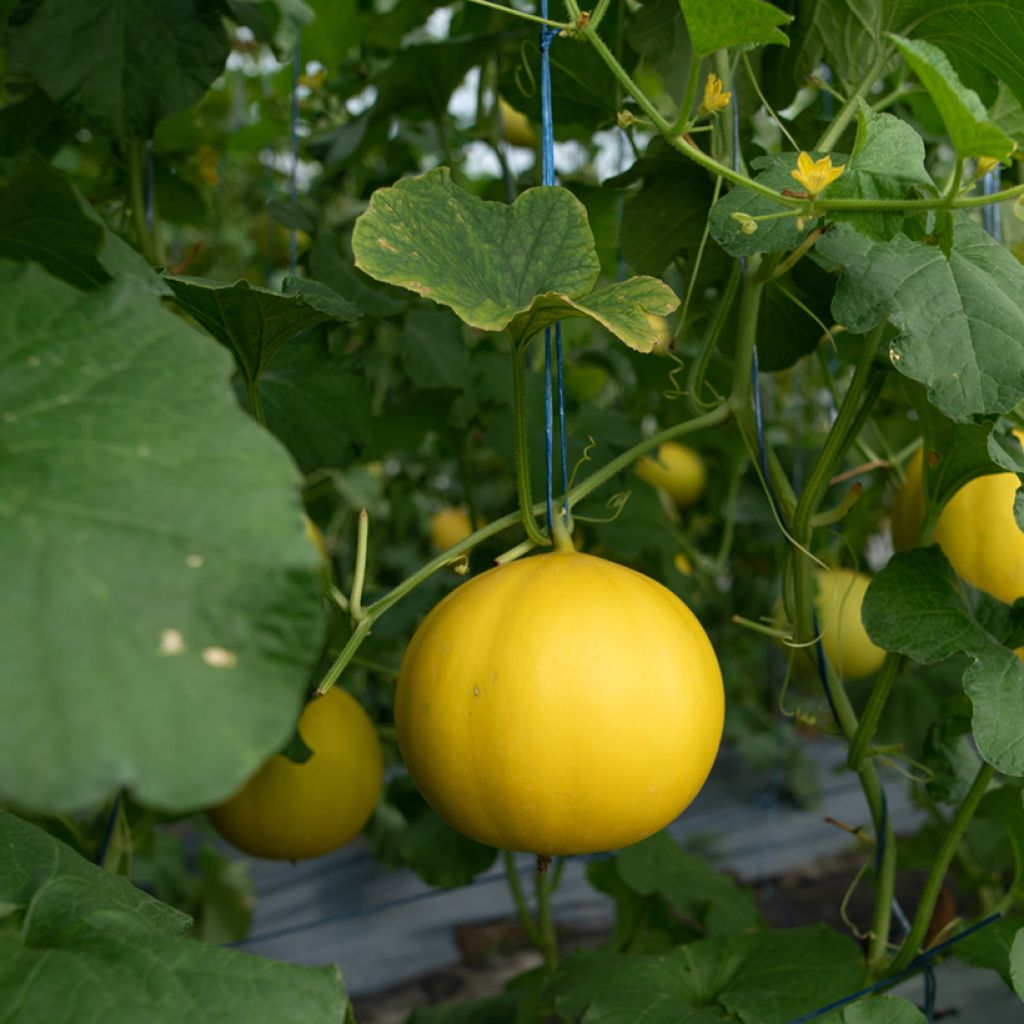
(560, 704)
(677, 470)
(976, 530)
(290, 811)
(840, 594)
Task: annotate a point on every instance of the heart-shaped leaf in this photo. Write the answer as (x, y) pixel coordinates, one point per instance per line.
(164, 612)
(519, 267)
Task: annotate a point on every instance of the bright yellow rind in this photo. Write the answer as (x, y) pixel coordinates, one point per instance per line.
(448, 527)
(559, 704)
(676, 469)
(518, 130)
(839, 596)
(289, 811)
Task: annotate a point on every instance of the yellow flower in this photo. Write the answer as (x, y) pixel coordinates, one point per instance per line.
(816, 175)
(207, 162)
(714, 98)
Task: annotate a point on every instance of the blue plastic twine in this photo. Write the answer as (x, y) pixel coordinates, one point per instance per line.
(547, 154)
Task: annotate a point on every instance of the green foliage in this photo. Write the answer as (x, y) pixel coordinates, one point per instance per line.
(119, 66)
(183, 623)
(717, 24)
(959, 318)
(756, 977)
(962, 112)
(520, 267)
(882, 1010)
(71, 927)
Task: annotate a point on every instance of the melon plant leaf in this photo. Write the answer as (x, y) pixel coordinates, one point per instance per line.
(717, 24)
(660, 866)
(962, 112)
(158, 532)
(771, 235)
(887, 163)
(918, 606)
(485, 260)
(961, 320)
(990, 947)
(1018, 507)
(761, 977)
(79, 929)
(41, 219)
(316, 402)
(255, 322)
(519, 267)
(621, 308)
(120, 65)
(882, 1010)
(327, 264)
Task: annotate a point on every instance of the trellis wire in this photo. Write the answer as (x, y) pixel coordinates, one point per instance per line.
(547, 150)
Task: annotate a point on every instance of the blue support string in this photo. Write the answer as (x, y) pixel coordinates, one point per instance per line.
(924, 960)
(547, 153)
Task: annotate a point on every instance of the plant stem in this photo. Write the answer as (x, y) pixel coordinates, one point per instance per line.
(746, 339)
(516, 888)
(692, 83)
(533, 531)
(522, 14)
(135, 151)
(355, 601)
(873, 710)
(598, 13)
(846, 113)
(549, 939)
(932, 888)
(348, 652)
(252, 390)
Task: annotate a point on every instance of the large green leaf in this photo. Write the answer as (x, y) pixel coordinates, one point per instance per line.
(887, 163)
(962, 111)
(717, 24)
(768, 977)
(659, 865)
(961, 320)
(255, 322)
(42, 219)
(167, 614)
(89, 946)
(519, 267)
(917, 606)
(120, 65)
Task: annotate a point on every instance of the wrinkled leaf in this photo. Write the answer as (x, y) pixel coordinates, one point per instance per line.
(520, 267)
(121, 66)
(175, 612)
(918, 606)
(255, 322)
(961, 320)
(91, 947)
(658, 865)
(717, 24)
(887, 163)
(962, 112)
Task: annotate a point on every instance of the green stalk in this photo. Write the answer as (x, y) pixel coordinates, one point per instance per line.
(355, 601)
(533, 531)
(525, 917)
(522, 14)
(873, 710)
(932, 888)
(746, 339)
(846, 113)
(692, 83)
(546, 923)
(135, 151)
(252, 390)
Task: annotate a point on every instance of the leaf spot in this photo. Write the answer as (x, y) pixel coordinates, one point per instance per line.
(220, 657)
(194, 561)
(142, 451)
(171, 642)
(386, 245)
